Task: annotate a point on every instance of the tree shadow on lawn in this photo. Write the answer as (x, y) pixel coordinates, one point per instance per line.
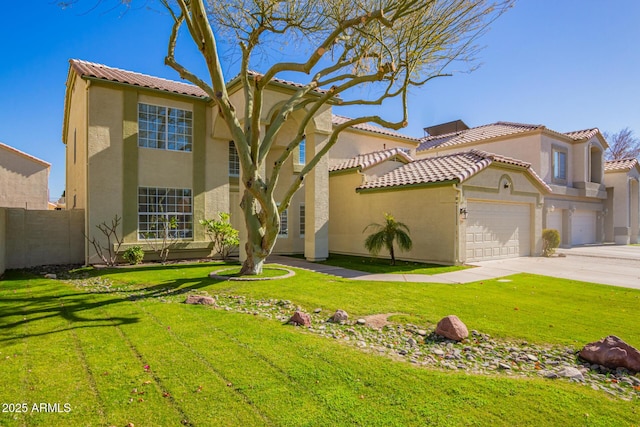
(81, 309)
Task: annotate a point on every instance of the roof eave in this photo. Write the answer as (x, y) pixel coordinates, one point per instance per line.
(408, 186)
(152, 89)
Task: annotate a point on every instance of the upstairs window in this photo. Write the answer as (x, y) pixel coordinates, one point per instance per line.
(302, 152)
(234, 160)
(164, 128)
(559, 165)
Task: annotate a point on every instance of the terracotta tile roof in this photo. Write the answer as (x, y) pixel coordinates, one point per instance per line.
(456, 167)
(621, 165)
(102, 72)
(582, 134)
(364, 161)
(276, 80)
(494, 130)
(479, 133)
(23, 154)
(369, 127)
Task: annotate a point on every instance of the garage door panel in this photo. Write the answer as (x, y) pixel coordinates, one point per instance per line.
(499, 230)
(583, 227)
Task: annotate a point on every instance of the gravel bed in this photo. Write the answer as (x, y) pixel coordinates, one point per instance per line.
(419, 345)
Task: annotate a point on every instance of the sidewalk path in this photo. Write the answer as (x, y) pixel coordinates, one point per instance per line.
(606, 264)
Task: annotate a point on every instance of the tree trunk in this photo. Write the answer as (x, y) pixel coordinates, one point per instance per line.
(262, 229)
(393, 255)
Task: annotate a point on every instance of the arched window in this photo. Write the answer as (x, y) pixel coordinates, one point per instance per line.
(595, 164)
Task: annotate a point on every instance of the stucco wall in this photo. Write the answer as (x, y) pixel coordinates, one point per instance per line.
(24, 182)
(76, 146)
(622, 228)
(527, 148)
(353, 142)
(43, 237)
(3, 242)
(429, 212)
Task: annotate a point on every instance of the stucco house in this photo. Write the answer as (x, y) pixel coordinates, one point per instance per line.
(622, 221)
(24, 180)
(571, 164)
(142, 148)
(460, 207)
(146, 149)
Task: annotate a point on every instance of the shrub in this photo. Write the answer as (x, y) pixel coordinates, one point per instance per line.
(108, 253)
(550, 241)
(222, 234)
(133, 255)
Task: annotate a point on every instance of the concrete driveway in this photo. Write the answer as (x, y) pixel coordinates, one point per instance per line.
(606, 264)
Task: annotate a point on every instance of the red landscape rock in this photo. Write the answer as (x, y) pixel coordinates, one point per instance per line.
(300, 318)
(200, 299)
(451, 327)
(613, 353)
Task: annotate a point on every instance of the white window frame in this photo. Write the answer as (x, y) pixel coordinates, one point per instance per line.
(556, 153)
(302, 151)
(234, 160)
(302, 219)
(176, 203)
(284, 224)
(165, 128)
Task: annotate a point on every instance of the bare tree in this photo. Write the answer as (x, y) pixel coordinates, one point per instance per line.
(622, 145)
(388, 46)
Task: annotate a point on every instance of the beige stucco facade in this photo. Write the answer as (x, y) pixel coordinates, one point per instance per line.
(622, 224)
(106, 166)
(24, 180)
(583, 190)
(432, 212)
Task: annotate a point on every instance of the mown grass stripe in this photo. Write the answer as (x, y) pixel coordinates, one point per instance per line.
(127, 390)
(225, 404)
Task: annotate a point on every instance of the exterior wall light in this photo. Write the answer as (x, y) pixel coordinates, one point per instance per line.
(464, 214)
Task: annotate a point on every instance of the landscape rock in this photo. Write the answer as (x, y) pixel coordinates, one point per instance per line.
(50, 276)
(613, 353)
(340, 316)
(361, 322)
(452, 327)
(301, 318)
(572, 373)
(200, 299)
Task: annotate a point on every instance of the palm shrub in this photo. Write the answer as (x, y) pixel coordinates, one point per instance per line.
(385, 236)
(550, 241)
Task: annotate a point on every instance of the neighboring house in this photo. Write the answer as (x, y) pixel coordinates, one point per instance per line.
(571, 164)
(24, 180)
(146, 149)
(622, 221)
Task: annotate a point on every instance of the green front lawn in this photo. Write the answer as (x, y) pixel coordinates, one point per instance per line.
(131, 353)
(382, 265)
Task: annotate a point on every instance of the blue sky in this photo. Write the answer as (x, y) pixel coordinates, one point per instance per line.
(566, 64)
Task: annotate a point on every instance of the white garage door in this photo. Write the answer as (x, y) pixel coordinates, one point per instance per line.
(583, 227)
(554, 220)
(497, 230)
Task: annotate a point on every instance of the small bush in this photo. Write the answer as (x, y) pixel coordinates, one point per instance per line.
(133, 255)
(550, 241)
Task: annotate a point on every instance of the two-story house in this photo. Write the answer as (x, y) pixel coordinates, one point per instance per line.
(146, 149)
(571, 164)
